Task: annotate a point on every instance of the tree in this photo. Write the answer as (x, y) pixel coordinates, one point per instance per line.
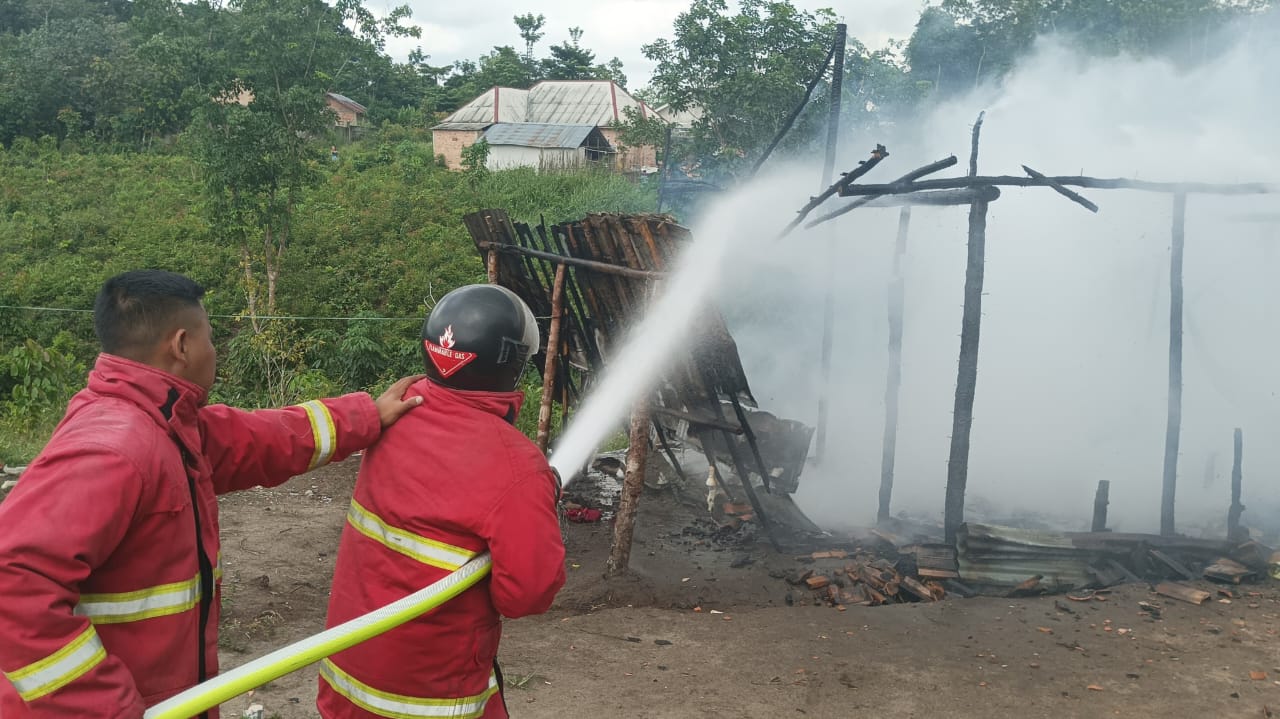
(746, 72)
(259, 157)
(569, 60)
(530, 27)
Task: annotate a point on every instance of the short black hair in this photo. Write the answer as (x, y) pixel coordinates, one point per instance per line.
(133, 310)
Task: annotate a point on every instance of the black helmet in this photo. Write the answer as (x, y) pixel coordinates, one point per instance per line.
(479, 337)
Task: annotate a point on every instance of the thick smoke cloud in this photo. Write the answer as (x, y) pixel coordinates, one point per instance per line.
(1072, 374)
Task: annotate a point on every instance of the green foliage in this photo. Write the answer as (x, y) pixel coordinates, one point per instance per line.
(746, 71)
(37, 381)
(380, 235)
(475, 160)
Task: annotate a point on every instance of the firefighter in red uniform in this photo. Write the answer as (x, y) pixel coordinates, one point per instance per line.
(449, 482)
(109, 562)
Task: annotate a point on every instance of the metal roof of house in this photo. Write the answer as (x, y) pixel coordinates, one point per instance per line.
(344, 100)
(553, 102)
(497, 104)
(473, 126)
(531, 134)
(682, 118)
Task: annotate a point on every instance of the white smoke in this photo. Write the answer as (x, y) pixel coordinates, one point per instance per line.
(1072, 372)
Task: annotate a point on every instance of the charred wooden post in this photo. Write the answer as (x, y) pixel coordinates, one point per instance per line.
(671, 455)
(632, 484)
(1100, 502)
(1234, 532)
(552, 359)
(833, 117)
(751, 440)
(967, 376)
(739, 466)
(828, 302)
(491, 265)
(893, 383)
(666, 163)
(791, 119)
(1173, 428)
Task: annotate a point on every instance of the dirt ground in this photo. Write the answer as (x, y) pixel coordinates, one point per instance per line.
(635, 646)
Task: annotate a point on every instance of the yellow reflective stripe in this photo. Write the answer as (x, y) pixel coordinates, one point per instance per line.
(323, 433)
(427, 551)
(399, 706)
(60, 668)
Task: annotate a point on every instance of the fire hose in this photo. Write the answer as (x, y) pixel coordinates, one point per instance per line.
(312, 649)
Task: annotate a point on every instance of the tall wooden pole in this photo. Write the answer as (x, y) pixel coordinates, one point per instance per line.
(552, 359)
(632, 484)
(967, 376)
(828, 305)
(1234, 532)
(893, 384)
(1174, 426)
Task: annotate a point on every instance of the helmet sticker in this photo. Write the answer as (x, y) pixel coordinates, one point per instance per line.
(446, 359)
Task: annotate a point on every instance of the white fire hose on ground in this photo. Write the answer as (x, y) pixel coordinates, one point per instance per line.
(312, 649)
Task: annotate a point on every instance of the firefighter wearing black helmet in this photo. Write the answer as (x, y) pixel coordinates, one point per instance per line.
(479, 338)
(453, 479)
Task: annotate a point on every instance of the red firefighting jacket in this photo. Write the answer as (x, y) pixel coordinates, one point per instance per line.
(109, 544)
(444, 484)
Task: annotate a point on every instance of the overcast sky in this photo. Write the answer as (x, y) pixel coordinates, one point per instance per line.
(453, 30)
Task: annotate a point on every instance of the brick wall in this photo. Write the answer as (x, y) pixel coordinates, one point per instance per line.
(450, 143)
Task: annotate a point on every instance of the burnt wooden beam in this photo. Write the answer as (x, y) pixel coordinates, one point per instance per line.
(1072, 195)
(1173, 425)
(915, 174)
(1100, 501)
(1101, 183)
(865, 166)
(698, 420)
(605, 267)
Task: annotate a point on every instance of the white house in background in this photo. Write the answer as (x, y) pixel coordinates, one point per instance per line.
(683, 119)
(568, 103)
(544, 146)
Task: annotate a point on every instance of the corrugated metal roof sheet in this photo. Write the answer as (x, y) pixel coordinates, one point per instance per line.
(530, 134)
(511, 106)
(595, 102)
(347, 101)
(1007, 556)
(473, 126)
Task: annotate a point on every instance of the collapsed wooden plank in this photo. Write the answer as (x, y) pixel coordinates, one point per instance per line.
(1173, 564)
(1227, 570)
(1183, 593)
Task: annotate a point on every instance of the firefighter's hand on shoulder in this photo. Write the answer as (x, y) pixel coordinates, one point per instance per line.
(392, 405)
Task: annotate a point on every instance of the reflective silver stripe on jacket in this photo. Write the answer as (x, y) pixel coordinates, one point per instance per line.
(158, 601)
(60, 668)
(427, 551)
(399, 706)
(323, 433)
